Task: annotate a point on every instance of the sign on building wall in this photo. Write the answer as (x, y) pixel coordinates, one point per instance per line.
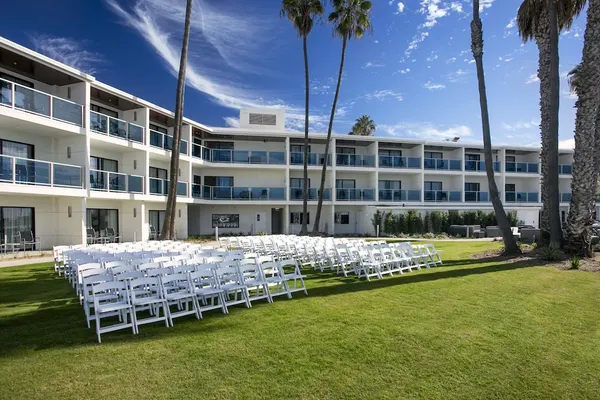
(226, 220)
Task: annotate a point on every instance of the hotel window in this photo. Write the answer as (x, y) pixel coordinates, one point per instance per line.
(157, 128)
(396, 185)
(509, 187)
(390, 153)
(158, 173)
(511, 159)
(14, 79)
(219, 145)
(14, 220)
(345, 150)
(219, 181)
(16, 149)
(429, 186)
(100, 219)
(472, 157)
(104, 111)
(345, 184)
(298, 183)
(104, 164)
(342, 218)
(437, 155)
(296, 218)
(471, 187)
(298, 148)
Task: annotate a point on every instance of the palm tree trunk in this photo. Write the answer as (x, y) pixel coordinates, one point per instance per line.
(585, 177)
(542, 38)
(168, 229)
(552, 138)
(329, 131)
(304, 230)
(510, 245)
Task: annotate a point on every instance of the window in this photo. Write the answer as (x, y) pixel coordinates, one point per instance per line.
(197, 180)
(298, 183)
(104, 164)
(158, 128)
(345, 150)
(345, 184)
(433, 185)
(509, 187)
(390, 153)
(158, 173)
(296, 218)
(472, 157)
(511, 159)
(437, 155)
(100, 219)
(390, 185)
(219, 145)
(14, 220)
(16, 149)
(156, 218)
(14, 79)
(263, 119)
(342, 218)
(104, 111)
(298, 148)
(219, 181)
(471, 187)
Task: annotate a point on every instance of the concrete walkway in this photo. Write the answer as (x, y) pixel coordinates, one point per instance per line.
(15, 262)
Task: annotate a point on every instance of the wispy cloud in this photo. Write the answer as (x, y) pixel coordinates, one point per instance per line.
(232, 122)
(433, 86)
(425, 130)
(383, 95)
(400, 8)
(451, 60)
(372, 65)
(405, 71)
(520, 125)
(458, 75)
(533, 78)
(68, 51)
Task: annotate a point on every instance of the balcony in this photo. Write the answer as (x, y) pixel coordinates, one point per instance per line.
(354, 160)
(442, 195)
(565, 169)
(199, 151)
(399, 195)
(106, 181)
(42, 173)
(115, 127)
(313, 159)
(522, 168)
(313, 194)
(33, 101)
(565, 197)
(442, 165)
(399, 162)
(521, 197)
(479, 166)
(161, 187)
(355, 194)
(240, 193)
(165, 142)
(240, 156)
(476, 197)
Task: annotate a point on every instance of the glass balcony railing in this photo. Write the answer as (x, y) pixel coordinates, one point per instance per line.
(242, 193)
(354, 160)
(399, 195)
(442, 165)
(313, 159)
(43, 173)
(33, 101)
(565, 169)
(521, 197)
(399, 162)
(355, 194)
(161, 187)
(477, 197)
(313, 194)
(115, 127)
(115, 182)
(565, 197)
(472, 165)
(442, 195)
(523, 168)
(239, 156)
(162, 141)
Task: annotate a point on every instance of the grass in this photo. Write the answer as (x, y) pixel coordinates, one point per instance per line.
(472, 329)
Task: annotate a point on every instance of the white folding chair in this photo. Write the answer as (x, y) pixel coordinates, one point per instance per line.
(208, 294)
(178, 290)
(230, 281)
(290, 271)
(111, 297)
(256, 285)
(146, 294)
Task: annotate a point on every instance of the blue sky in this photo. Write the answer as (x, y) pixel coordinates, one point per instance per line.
(414, 75)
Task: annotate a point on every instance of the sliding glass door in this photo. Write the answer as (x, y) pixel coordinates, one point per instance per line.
(14, 220)
(100, 219)
(156, 220)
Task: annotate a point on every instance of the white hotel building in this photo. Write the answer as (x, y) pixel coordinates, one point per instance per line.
(77, 154)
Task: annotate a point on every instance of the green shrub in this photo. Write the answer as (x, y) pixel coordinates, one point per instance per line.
(377, 219)
(512, 218)
(427, 223)
(550, 254)
(575, 261)
(436, 220)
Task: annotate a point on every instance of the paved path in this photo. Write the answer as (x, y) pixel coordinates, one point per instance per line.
(15, 262)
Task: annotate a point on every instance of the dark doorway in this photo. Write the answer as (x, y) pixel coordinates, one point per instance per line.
(276, 221)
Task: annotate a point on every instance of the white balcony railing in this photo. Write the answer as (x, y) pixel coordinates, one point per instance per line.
(26, 171)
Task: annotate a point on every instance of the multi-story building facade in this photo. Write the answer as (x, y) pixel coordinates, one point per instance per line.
(78, 155)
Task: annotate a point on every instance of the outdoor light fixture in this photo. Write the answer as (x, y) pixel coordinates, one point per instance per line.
(180, 213)
(134, 164)
(70, 211)
(134, 212)
(68, 151)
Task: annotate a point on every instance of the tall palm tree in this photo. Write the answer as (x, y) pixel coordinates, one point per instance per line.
(542, 20)
(585, 176)
(364, 126)
(350, 19)
(510, 245)
(302, 14)
(168, 229)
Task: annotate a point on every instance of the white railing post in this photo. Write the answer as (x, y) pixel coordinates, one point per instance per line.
(51, 174)
(14, 169)
(50, 97)
(12, 100)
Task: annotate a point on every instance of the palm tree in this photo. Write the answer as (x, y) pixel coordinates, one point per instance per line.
(585, 175)
(542, 20)
(351, 19)
(364, 126)
(510, 245)
(302, 14)
(168, 229)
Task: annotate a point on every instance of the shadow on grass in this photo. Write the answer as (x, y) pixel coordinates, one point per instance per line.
(51, 316)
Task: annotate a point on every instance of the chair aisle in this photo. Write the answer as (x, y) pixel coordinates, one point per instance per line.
(158, 281)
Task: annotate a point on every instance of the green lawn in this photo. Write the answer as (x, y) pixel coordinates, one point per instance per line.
(470, 329)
